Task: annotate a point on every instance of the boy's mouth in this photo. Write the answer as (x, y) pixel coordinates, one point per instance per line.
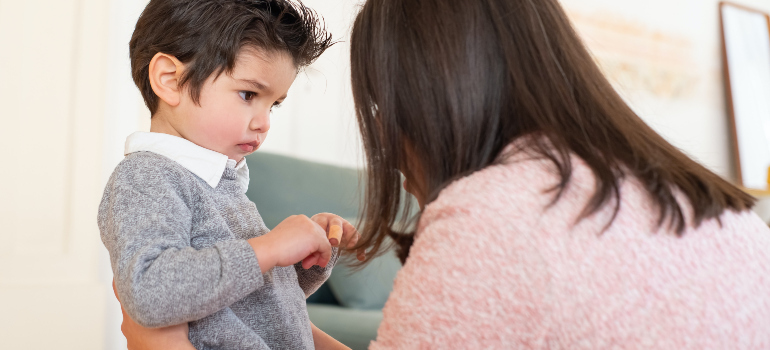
(248, 147)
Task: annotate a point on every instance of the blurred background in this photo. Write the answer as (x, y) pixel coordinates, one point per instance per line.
(67, 103)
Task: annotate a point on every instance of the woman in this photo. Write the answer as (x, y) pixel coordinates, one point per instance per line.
(551, 215)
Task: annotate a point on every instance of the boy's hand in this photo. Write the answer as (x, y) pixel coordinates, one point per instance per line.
(295, 239)
(340, 232)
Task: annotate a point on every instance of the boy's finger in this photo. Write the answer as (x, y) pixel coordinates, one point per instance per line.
(312, 260)
(326, 254)
(309, 261)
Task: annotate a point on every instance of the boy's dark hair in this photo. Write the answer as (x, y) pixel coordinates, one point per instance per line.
(207, 35)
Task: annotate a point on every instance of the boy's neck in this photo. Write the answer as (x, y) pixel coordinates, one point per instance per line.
(160, 124)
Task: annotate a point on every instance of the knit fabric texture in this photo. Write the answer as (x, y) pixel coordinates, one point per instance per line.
(496, 265)
(179, 254)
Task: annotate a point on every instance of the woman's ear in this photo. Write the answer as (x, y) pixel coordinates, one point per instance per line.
(165, 72)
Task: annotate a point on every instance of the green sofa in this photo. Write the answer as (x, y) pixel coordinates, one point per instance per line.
(349, 305)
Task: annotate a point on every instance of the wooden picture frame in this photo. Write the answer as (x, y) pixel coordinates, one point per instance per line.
(746, 57)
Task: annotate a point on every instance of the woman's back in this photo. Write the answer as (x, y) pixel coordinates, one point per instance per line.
(494, 266)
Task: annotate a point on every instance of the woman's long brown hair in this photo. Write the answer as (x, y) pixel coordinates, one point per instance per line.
(459, 80)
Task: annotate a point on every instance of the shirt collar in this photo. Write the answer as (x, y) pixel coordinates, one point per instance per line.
(205, 163)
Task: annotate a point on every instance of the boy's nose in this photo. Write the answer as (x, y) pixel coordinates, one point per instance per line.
(260, 121)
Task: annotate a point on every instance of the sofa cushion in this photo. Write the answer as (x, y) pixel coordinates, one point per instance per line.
(282, 186)
(367, 289)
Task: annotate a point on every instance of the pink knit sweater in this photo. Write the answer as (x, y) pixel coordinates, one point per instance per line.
(493, 267)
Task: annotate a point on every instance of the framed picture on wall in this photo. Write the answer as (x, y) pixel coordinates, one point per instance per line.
(746, 53)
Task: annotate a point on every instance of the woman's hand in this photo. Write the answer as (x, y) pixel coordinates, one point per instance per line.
(141, 338)
(324, 341)
(349, 235)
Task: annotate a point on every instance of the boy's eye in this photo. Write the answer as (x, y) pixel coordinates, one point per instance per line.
(247, 95)
(276, 105)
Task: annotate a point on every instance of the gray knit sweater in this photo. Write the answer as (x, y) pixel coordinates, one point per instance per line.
(179, 254)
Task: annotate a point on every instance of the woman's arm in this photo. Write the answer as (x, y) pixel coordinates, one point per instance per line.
(141, 338)
(176, 337)
(324, 341)
(166, 338)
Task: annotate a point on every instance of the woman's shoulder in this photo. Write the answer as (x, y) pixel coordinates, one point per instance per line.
(472, 243)
(517, 185)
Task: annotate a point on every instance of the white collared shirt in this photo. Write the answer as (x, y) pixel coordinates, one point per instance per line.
(207, 164)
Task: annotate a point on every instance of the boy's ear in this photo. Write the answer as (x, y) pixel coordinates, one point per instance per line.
(165, 72)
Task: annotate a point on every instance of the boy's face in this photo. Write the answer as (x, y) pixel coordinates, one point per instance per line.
(234, 112)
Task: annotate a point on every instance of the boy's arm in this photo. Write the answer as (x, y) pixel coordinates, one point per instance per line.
(145, 225)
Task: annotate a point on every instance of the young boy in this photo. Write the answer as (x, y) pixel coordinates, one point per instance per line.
(185, 243)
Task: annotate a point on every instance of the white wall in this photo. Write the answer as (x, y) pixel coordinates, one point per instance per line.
(665, 58)
(52, 67)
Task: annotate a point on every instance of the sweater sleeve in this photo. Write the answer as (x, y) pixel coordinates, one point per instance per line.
(311, 279)
(161, 280)
(448, 294)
